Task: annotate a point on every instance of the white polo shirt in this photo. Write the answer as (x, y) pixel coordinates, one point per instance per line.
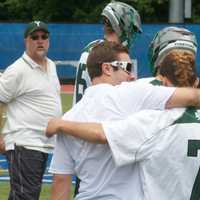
(32, 97)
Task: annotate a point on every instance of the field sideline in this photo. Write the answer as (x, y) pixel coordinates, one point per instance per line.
(66, 98)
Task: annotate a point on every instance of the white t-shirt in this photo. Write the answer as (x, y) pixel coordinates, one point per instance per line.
(93, 163)
(167, 155)
(32, 97)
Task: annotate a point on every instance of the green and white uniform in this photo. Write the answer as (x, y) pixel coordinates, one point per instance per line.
(100, 178)
(167, 155)
(82, 76)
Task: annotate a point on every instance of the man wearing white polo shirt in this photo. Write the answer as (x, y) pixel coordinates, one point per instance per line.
(31, 90)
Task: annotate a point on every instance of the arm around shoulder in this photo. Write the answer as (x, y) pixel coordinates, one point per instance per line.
(91, 132)
(183, 97)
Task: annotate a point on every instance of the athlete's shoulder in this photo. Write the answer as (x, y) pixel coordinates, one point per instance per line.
(90, 45)
(191, 115)
(150, 80)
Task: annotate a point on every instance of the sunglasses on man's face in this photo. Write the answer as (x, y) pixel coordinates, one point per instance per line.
(126, 66)
(37, 37)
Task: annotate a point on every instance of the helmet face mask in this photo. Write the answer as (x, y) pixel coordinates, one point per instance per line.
(124, 20)
(167, 39)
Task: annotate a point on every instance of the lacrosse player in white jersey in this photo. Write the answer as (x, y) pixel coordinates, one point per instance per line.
(168, 158)
(121, 24)
(58, 125)
(101, 179)
(165, 153)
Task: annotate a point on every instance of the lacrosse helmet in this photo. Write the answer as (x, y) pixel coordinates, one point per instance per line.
(167, 39)
(125, 21)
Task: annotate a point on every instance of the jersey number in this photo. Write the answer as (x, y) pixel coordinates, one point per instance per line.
(193, 146)
(80, 81)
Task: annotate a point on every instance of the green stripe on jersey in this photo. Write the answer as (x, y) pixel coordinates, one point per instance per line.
(156, 82)
(191, 115)
(89, 47)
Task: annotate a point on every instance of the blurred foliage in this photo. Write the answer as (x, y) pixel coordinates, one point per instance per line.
(83, 11)
(196, 11)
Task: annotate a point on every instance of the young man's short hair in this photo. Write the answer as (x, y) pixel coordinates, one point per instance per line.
(101, 53)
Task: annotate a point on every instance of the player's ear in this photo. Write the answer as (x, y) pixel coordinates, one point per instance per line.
(106, 69)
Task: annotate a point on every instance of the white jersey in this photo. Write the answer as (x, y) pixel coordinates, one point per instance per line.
(100, 178)
(167, 155)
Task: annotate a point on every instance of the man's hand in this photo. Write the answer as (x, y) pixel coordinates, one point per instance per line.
(53, 127)
(2, 145)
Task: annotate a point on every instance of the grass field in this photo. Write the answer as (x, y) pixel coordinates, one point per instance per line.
(66, 101)
(45, 193)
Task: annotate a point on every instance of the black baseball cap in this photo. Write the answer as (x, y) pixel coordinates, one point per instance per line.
(35, 26)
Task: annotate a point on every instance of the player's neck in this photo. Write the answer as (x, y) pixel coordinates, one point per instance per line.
(112, 37)
(101, 80)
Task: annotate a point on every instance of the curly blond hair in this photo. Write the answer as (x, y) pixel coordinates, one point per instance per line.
(179, 67)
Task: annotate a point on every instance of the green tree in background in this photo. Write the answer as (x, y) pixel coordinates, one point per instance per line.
(83, 11)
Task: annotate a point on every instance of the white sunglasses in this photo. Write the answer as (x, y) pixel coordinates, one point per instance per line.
(125, 65)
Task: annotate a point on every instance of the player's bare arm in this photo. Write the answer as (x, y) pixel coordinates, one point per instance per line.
(61, 187)
(183, 97)
(92, 132)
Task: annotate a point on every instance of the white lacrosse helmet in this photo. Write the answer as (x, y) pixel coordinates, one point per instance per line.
(167, 39)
